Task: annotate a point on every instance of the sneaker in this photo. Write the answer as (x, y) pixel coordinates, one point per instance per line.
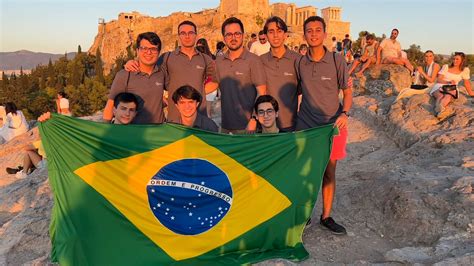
(21, 175)
(331, 225)
(13, 171)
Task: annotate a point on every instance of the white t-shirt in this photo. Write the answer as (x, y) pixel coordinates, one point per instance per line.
(390, 48)
(259, 49)
(15, 125)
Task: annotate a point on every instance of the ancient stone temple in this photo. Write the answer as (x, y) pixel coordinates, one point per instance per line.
(115, 36)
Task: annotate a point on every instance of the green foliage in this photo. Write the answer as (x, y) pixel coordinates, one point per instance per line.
(259, 21)
(415, 55)
(82, 78)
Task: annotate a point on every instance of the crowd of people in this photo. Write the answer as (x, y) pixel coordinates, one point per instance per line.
(264, 86)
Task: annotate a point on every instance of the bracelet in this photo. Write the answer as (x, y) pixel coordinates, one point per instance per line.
(346, 113)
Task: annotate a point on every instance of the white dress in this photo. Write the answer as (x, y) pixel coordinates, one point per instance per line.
(15, 126)
(450, 77)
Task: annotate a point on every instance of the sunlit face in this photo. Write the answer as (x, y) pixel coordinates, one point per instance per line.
(370, 42)
(233, 36)
(394, 35)
(314, 34)
(124, 113)
(187, 107)
(147, 53)
(457, 60)
(276, 36)
(187, 36)
(266, 115)
(429, 58)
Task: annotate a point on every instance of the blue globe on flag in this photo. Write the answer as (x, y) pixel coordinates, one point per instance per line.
(189, 196)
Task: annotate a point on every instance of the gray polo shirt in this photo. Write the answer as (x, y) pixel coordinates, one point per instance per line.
(180, 70)
(149, 91)
(238, 80)
(282, 84)
(320, 84)
(201, 122)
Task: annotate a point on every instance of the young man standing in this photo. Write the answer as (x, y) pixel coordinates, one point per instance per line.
(187, 100)
(241, 79)
(262, 46)
(323, 74)
(186, 66)
(390, 52)
(282, 80)
(147, 84)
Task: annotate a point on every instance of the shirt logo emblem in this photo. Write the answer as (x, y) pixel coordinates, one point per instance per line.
(199, 67)
(287, 74)
(158, 84)
(325, 78)
(238, 73)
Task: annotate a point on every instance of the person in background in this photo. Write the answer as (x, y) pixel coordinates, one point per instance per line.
(253, 38)
(428, 72)
(262, 46)
(15, 124)
(303, 49)
(62, 104)
(220, 46)
(368, 57)
(203, 47)
(451, 75)
(390, 52)
(333, 44)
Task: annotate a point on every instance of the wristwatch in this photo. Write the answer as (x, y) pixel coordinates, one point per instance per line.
(346, 113)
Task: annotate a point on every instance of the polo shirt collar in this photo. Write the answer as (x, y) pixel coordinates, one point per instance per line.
(326, 58)
(155, 69)
(243, 55)
(285, 55)
(178, 51)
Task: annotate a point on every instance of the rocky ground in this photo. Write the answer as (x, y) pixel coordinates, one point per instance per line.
(404, 193)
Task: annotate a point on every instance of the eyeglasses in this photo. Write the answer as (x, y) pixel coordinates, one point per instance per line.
(153, 50)
(262, 112)
(190, 33)
(230, 35)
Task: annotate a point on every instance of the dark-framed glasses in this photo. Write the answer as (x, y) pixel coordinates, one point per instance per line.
(262, 112)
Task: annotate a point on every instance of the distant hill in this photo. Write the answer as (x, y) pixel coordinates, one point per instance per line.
(27, 59)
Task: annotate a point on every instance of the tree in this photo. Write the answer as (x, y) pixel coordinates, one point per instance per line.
(415, 55)
(99, 67)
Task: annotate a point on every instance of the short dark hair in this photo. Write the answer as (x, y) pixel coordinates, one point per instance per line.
(280, 23)
(266, 99)
(232, 20)
(125, 97)
(62, 94)
(396, 30)
(313, 19)
(370, 37)
(333, 38)
(261, 33)
(347, 35)
(220, 45)
(187, 92)
(10, 107)
(253, 35)
(152, 37)
(429, 51)
(187, 22)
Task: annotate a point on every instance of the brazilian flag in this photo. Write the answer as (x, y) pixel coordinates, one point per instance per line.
(167, 194)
